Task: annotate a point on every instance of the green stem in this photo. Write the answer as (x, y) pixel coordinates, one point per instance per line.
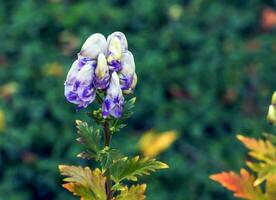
(107, 140)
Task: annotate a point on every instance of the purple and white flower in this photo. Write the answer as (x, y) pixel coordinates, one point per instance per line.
(101, 80)
(127, 73)
(102, 65)
(114, 54)
(79, 87)
(114, 100)
(93, 46)
(122, 39)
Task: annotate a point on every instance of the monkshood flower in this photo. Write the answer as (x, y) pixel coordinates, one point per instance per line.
(102, 65)
(127, 75)
(114, 100)
(79, 87)
(93, 46)
(114, 54)
(101, 80)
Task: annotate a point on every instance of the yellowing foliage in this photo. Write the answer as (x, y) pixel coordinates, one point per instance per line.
(135, 192)
(151, 143)
(245, 185)
(241, 185)
(89, 185)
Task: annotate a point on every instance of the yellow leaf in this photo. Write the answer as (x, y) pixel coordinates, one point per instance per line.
(241, 185)
(89, 185)
(134, 193)
(259, 149)
(152, 143)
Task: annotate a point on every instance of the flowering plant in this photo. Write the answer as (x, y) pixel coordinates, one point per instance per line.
(245, 185)
(103, 73)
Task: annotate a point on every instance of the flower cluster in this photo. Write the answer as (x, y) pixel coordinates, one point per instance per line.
(103, 65)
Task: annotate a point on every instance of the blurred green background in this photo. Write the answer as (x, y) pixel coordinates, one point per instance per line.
(206, 69)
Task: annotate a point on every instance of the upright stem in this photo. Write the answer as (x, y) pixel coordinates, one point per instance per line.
(107, 140)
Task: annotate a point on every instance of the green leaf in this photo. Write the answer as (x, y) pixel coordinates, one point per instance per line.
(89, 185)
(89, 138)
(129, 169)
(107, 155)
(134, 193)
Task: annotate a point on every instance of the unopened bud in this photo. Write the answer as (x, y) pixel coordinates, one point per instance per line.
(271, 116)
(78, 122)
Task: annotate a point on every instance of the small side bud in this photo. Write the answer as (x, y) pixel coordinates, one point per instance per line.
(78, 122)
(271, 116)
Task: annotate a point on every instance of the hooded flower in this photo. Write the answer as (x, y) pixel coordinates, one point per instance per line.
(128, 78)
(114, 54)
(122, 39)
(93, 46)
(114, 100)
(78, 85)
(101, 80)
(104, 65)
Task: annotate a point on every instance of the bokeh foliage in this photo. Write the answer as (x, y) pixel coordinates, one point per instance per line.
(205, 68)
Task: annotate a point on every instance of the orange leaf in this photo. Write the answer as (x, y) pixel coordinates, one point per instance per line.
(241, 185)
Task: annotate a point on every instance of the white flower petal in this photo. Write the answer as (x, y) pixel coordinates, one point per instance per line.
(72, 74)
(94, 45)
(121, 37)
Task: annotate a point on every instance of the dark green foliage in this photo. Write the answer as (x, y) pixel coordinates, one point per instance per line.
(208, 74)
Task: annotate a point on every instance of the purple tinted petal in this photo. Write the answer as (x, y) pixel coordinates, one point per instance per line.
(117, 111)
(125, 82)
(101, 83)
(115, 65)
(83, 60)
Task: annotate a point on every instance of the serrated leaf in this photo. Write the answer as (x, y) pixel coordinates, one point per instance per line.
(89, 185)
(129, 169)
(90, 138)
(242, 185)
(107, 155)
(259, 149)
(136, 192)
(79, 190)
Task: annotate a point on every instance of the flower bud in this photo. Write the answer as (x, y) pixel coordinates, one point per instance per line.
(114, 100)
(127, 72)
(114, 54)
(271, 116)
(274, 99)
(102, 76)
(93, 46)
(122, 39)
